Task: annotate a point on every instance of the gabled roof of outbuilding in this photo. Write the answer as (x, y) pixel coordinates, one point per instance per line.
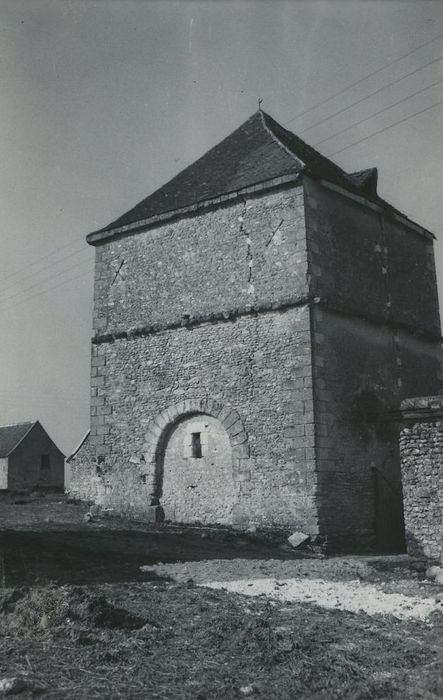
(12, 435)
(259, 150)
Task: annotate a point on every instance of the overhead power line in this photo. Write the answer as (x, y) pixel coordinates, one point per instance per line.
(380, 111)
(83, 249)
(23, 389)
(360, 80)
(390, 126)
(44, 398)
(371, 94)
(36, 284)
(31, 297)
(42, 257)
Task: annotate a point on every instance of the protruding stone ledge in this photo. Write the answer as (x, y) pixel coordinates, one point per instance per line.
(231, 315)
(220, 317)
(422, 408)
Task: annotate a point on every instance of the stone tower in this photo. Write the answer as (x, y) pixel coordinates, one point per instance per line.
(257, 322)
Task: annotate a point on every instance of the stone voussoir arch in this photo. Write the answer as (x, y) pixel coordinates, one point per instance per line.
(160, 426)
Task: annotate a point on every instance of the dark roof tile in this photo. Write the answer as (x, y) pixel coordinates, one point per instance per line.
(11, 435)
(259, 150)
(366, 181)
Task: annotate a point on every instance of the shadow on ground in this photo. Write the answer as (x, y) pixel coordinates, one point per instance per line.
(102, 555)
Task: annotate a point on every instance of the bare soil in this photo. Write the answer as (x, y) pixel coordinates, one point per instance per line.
(78, 619)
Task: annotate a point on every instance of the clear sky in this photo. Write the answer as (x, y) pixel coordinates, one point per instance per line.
(102, 101)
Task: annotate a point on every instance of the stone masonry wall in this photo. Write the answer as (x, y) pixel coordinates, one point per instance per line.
(367, 263)
(210, 308)
(258, 365)
(421, 449)
(375, 341)
(362, 371)
(307, 315)
(250, 253)
(3, 473)
(199, 487)
(355, 375)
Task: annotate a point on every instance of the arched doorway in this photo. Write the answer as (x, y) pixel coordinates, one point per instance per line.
(196, 471)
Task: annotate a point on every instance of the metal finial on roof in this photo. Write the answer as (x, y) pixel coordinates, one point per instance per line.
(260, 100)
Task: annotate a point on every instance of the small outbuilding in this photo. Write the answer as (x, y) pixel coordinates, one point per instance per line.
(29, 459)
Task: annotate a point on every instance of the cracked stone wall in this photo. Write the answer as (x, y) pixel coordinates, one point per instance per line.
(303, 311)
(252, 252)
(421, 449)
(221, 296)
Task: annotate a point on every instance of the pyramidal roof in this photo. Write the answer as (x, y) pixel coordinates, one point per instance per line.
(259, 150)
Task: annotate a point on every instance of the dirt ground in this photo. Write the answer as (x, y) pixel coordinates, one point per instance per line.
(215, 615)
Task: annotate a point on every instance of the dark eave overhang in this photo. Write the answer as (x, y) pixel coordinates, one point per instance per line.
(376, 204)
(380, 206)
(97, 237)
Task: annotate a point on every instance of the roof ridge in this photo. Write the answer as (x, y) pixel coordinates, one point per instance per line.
(249, 154)
(277, 140)
(24, 422)
(20, 440)
(259, 150)
(312, 152)
(12, 435)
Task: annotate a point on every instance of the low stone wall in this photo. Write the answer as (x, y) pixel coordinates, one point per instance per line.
(421, 449)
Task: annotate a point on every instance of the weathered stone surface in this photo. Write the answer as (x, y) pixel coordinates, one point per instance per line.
(298, 539)
(154, 514)
(199, 265)
(433, 571)
(421, 449)
(13, 686)
(133, 366)
(198, 489)
(291, 341)
(363, 364)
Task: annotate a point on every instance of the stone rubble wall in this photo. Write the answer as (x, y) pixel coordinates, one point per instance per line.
(296, 308)
(259, 366)
(248, 254)
(376, 340)
(210, 308)
(421, 448)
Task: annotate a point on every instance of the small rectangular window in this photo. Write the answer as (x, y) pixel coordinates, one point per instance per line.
(44, 462)
(196, 445)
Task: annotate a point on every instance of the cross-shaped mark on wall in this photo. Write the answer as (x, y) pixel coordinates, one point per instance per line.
(274, 231)
(118, 272)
